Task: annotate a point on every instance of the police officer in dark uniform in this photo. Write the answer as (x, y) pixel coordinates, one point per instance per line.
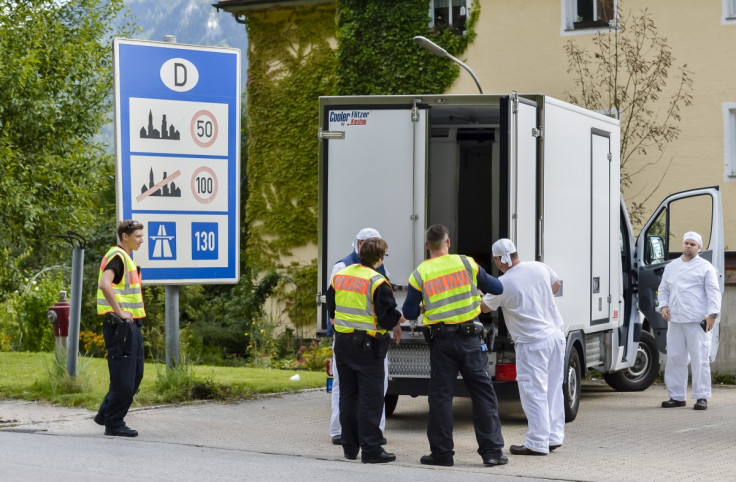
(447, 287)
(361, 302)
(353, 258)
(120, 300)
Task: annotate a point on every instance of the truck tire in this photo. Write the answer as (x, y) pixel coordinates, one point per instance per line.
(390, 402)
(644, 371)
(571, 386)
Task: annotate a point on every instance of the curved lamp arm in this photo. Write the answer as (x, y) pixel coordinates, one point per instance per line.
(427, 44)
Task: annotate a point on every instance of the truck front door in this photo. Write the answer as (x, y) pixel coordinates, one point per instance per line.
(660, 241)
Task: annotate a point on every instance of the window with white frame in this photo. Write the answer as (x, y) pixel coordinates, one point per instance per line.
(729, 11)
(588, 14)
(452, 14)
(729, 140)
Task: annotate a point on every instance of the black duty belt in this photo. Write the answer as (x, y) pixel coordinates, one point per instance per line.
(449, 327)
(113, 319)
(467, 328)
(446, 327)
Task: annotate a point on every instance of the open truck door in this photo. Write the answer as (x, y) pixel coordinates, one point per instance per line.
(523, 185)
(660, 241)
(371, 174)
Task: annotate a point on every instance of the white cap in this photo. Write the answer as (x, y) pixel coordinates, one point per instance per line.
(364, 234)
(694, 236)
(503, 248)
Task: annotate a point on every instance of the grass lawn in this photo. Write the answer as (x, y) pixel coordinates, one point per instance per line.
(35, 376)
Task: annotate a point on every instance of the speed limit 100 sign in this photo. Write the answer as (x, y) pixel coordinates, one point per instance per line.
(204, 184)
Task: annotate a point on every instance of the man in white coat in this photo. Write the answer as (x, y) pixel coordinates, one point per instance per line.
(690, 301)
(535, 326)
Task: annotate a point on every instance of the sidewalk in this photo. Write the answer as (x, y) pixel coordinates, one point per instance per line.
(617, 436)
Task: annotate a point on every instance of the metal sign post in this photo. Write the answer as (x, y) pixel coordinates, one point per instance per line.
(171, 305)
(75, 309)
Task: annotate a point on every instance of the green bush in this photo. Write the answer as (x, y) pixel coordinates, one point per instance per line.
(312, 357)
(92, 344)
(10, 332)
(31, 310)
(722, 379)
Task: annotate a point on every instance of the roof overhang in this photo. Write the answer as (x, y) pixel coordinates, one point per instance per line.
(241, 6)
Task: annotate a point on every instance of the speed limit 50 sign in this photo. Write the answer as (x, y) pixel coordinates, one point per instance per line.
(177, 125)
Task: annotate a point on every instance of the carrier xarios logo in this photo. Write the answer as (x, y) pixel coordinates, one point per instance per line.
(350, 118)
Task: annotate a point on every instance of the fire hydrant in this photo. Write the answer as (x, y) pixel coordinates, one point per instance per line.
(59, 317)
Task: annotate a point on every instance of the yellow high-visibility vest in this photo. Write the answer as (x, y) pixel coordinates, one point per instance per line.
(354, 287)
(449, 290)
(128, 292)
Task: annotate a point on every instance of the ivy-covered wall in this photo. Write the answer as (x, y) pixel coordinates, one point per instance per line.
(376, 53)
(291, 63)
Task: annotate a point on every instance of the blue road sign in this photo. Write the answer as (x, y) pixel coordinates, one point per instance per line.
(177, 127)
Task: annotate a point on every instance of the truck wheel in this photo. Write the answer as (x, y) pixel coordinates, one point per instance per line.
(390, 402)
(571, 386)
(645, 369)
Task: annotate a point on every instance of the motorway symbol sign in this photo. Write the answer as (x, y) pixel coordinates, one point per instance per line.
(161, 240)
(177, 126)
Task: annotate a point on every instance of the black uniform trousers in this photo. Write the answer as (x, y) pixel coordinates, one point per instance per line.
(125, 364)
(361, 396)
(451, 353)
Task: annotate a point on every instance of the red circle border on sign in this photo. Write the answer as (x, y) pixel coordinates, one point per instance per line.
(214, 179)
(214, 123)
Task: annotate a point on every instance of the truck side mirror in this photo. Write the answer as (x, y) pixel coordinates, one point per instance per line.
(654, 250)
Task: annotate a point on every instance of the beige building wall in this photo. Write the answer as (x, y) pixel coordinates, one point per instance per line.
(520, 47)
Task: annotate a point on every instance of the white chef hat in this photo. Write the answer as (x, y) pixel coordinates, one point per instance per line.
(694, 236)
(503, 248)
(364, 234)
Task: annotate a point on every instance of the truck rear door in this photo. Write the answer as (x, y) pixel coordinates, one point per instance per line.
(523, 178)
(660, 241)
(372, 174)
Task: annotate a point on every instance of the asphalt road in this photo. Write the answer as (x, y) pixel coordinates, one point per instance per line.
(616, 437)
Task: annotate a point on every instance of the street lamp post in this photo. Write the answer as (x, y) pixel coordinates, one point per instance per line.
(427, 44)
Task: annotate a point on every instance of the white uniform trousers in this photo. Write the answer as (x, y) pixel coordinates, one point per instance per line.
(687, 342)
(539, 374)
(335, 428)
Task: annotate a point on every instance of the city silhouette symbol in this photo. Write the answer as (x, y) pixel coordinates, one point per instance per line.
(161, 188)
(168, 133)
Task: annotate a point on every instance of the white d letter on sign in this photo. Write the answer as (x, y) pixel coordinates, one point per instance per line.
(179, 75)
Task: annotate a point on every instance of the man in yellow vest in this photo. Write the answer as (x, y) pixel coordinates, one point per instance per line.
(447, 287)
(120, 299)
(362, 303)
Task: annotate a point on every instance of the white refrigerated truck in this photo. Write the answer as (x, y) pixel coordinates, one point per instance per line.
(537, 170)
